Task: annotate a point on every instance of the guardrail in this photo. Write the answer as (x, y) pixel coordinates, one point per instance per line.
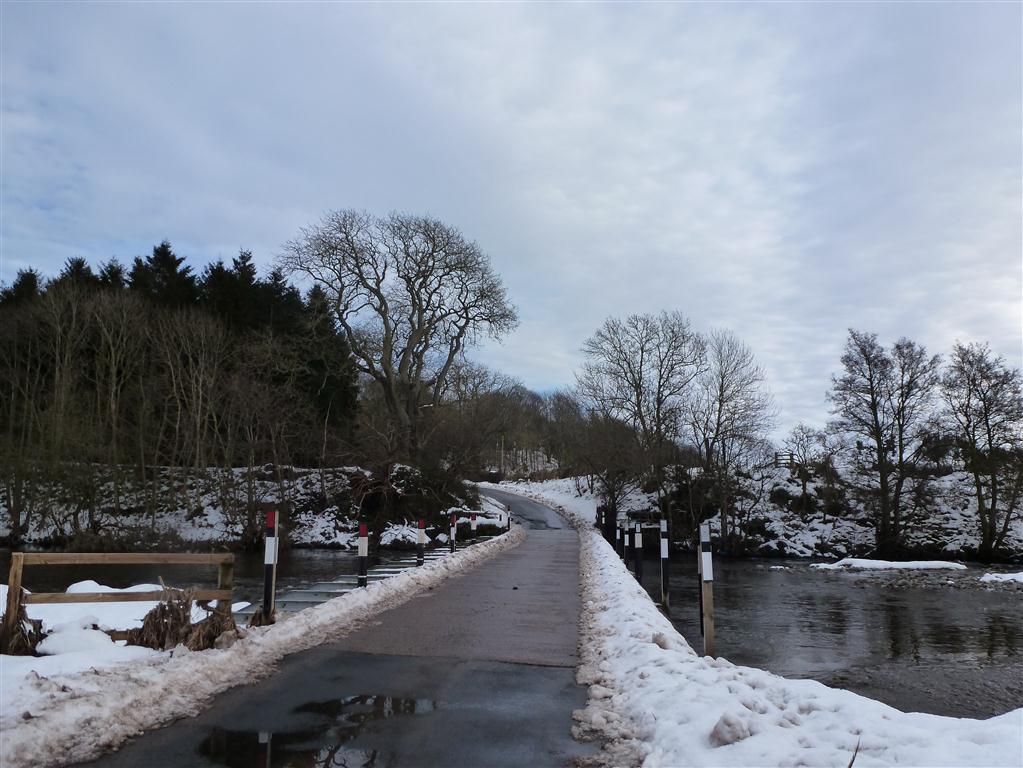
(16, 596)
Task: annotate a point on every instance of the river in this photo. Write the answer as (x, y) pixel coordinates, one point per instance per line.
(934, 649)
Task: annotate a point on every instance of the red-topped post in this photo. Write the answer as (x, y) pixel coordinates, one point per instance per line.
(270, 566)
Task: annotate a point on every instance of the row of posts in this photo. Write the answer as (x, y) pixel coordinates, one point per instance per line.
(628, 543)
(271, 551)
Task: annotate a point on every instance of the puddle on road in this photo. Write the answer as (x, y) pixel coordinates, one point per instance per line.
(322, 746)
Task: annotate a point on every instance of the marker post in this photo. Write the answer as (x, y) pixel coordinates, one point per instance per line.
(454, 531)
(664, 563)
(363, 554)
(637, 552)
(421, 543)
(472, 526)
(706, 570)
(270, 567)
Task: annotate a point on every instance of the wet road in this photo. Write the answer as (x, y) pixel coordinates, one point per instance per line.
(477, 672)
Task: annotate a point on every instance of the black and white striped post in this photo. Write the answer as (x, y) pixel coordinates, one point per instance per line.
(270, 567)
(627, 533)
(637, 552)
(705, 565)
(619, 540)
(454, 530)
(421, 543)
(472, 526)
(664, 562)
(363, 554)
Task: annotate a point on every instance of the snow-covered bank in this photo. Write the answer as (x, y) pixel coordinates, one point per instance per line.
(1000, 578)
(658, 703)
(855, 563)
(54, 716)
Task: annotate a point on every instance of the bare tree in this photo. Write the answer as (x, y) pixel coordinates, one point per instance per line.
(884, 399)
(729, 417)
(639, 370)
(411, 293)
(984, 398)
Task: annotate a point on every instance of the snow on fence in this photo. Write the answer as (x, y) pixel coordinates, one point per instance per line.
(17, 598)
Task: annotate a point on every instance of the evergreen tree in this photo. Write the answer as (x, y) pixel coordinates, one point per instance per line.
(164, 277)
(27, 285)
(113, 274)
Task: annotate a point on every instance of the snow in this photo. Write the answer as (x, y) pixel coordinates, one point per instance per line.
(889, 565)
(128, 615)
(656, 702)
(74, 706)
(1002, 577)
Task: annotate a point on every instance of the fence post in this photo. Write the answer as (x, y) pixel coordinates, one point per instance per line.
(637, 551)
(421, 543)
(706, 590)
(13, 601)
(225, 580)
(454, 531)
(472, 526)
(664, 563)
(363, 554)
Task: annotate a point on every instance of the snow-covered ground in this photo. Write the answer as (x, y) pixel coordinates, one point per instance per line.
(77, 704)
(214, 507)
(996, 578)
(856, 563)
(657, 702)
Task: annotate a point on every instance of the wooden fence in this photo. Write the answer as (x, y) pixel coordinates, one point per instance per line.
(16, 597)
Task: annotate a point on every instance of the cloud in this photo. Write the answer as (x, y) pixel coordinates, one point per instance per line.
(786, 171)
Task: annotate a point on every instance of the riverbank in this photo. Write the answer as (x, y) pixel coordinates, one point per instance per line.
(185, 510)
(773, 530)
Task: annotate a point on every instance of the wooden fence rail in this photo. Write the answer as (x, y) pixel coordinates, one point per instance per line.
(16, 598)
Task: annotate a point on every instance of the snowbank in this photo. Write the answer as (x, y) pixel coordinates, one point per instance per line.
(55, 710)
(1002, 577)
(656, 702)
(889, 565)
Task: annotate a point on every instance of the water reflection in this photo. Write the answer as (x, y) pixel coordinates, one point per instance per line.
(325, 745)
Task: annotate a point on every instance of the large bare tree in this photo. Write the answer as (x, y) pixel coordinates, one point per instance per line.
(411, 293)
(884, 399)
(639, 371)
(729, 416)
(984, 397)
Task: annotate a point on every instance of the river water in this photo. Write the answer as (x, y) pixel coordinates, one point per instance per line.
(295, 567)
(931, 648)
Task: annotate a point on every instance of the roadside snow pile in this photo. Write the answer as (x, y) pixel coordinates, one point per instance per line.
(655, 702)
(889, 565)
(1002, 577)
(56, 710)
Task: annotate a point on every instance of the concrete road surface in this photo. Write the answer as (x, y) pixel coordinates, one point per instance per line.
(477, 672)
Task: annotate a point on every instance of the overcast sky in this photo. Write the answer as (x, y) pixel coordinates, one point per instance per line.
(784, 170)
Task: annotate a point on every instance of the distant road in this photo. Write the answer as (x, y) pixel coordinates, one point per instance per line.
(478, 672)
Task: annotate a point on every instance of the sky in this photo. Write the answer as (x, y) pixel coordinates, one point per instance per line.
(784, 170)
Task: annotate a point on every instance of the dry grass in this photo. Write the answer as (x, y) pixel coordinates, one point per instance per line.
(170, 624)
